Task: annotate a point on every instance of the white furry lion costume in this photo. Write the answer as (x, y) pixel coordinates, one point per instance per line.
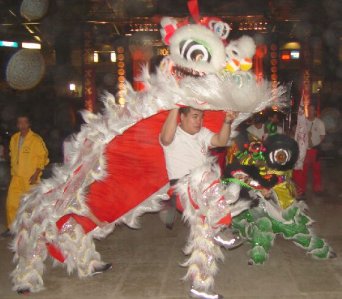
(104, 179)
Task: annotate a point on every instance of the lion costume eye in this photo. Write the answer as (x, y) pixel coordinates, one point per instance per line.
(220, 28)
(232, 52)
(280, 156)
(281, 152)
(194, 51)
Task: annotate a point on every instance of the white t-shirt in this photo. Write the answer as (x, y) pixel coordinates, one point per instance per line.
(317, 129)
(186, 152)
(260, 133)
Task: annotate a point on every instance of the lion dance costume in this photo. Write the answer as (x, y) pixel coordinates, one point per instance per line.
(103, 179)
(264, 169)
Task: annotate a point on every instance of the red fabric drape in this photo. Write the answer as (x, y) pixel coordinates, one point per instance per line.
(135, 170)
(135, 167)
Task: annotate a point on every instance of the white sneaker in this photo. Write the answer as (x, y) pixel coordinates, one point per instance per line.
(101, 269)
(203, 295)
(228, 240)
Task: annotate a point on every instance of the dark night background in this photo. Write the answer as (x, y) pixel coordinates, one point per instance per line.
(54, 109)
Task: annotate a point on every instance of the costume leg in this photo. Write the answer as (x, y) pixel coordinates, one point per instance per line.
(207, 207)
(78, 249)
(204, 254)
(258, 231)
(206, 223)
(34, 231)
(262, 237)
(30, 254)
(302, 235)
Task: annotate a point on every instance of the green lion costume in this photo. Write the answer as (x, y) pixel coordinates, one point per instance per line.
(265, 170)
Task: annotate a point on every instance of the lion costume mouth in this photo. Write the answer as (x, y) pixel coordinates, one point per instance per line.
(181, 72)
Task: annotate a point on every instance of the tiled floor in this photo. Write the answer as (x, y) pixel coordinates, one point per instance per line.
(146, 262)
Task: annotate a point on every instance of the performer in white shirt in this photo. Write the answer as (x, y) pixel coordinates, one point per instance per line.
(316, 134)
(186, 144)
(256, 130)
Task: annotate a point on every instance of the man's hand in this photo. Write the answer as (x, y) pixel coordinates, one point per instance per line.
(230, 116)
(221, 138)
(34, 178)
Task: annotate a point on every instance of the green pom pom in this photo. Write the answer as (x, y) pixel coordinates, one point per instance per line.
(290, 213)
(288, 230)
(258, 255)
(264, 224)
(321, 253)
(316, 243)
(240, 226)
(260, 238)
(302, 219)
(303, 240)
(246, 215)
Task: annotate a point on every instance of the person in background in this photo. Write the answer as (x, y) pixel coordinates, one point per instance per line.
(256, 131)
(260, 130)
(316, 133)
(28, 157)
(272, 127)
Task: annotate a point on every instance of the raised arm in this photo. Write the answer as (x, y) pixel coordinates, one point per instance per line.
(222, 137)
(169, 128)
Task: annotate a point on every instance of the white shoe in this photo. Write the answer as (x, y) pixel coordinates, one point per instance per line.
(203, 295)
(228, 240)
(101, 269)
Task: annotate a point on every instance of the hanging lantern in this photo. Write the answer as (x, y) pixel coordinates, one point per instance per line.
(25, 69)
(33, 9)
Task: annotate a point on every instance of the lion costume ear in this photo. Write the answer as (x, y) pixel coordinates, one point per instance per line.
(169, 26)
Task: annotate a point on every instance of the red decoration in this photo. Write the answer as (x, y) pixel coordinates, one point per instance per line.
(194, 10)
(260, 53)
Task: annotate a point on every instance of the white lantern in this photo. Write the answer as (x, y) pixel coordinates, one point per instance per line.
(34, 9)
(25, 69)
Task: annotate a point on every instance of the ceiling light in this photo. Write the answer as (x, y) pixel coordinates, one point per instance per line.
(31, 45)
(4, 43)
